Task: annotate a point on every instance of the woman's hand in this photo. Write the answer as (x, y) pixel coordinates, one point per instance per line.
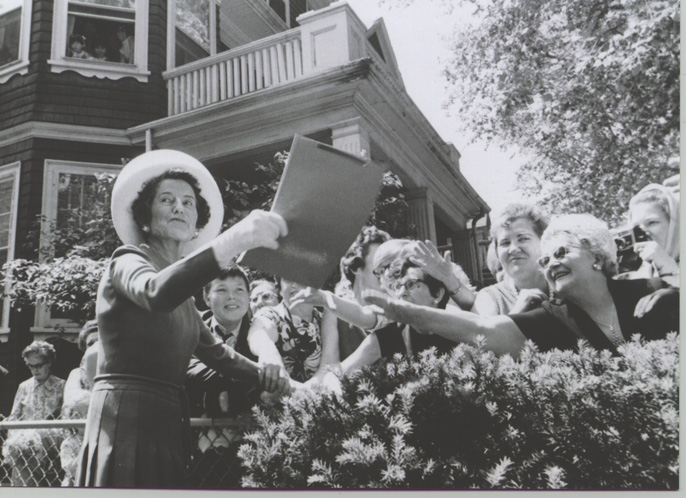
(308, 295)
(654, 254)
(426, 256)
(258, 229)
(660, 301)
(528, 300)
(382, 303)
(275, 380)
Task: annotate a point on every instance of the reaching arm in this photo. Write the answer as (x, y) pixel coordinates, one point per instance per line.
(366, 354)
(330, 350)
(501, 333)
(349, 311)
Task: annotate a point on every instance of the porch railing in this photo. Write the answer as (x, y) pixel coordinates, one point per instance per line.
(264, 63)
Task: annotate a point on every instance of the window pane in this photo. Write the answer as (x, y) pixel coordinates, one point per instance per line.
(76, 195)
(100, 30)
(127, 4)
(10, 29)
(193, 20)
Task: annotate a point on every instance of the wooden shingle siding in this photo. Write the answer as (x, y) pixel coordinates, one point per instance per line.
(71, 98)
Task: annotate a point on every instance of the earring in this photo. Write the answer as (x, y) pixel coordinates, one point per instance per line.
(195, 235)
(596, 266)
(145, 228)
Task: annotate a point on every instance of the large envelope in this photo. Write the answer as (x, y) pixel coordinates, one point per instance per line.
(325, 196)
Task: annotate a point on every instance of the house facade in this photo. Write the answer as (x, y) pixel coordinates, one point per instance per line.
(86, 84)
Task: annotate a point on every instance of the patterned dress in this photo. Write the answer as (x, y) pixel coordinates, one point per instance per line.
(28, 451)
(299, 341)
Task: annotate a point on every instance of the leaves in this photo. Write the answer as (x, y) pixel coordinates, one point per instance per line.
(554, 420)
(588, 90)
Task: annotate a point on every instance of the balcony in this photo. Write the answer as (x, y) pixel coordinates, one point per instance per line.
(325, 38)
(330, 77)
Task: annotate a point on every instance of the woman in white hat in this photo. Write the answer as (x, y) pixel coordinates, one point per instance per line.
(165, 205)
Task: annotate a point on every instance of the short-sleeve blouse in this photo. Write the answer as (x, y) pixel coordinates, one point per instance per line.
(299, 341)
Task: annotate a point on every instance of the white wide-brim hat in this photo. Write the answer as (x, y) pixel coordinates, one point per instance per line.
(144, 168)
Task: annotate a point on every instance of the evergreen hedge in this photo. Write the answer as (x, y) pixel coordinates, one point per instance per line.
(555, 420)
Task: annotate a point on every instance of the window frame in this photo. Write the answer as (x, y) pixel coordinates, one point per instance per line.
(43, 321)
(171, 32)
(59, 62)
(21, 65)
(10, 170)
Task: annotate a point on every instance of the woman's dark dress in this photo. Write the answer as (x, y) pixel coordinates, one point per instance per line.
(136, 433)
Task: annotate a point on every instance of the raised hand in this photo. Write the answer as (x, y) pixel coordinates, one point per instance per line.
(528, 300)
(653, 253)
(258, 229)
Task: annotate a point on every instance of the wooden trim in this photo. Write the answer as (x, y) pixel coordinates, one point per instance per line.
(60, 131)
(12, 170)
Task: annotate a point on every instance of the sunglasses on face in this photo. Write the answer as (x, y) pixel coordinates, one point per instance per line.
(558, 254)
(35, 366)
(410, 284)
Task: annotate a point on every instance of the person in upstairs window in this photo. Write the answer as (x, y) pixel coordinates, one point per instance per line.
(77, 47)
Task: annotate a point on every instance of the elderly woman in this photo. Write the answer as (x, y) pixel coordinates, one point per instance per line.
(656, 210)
(38, 398)
(578, 259)
(516, 235)
(263, 293)
(167, 209)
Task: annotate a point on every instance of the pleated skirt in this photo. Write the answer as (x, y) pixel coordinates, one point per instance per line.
(136, 436)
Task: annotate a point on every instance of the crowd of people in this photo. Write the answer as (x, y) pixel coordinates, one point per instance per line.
(256, 341)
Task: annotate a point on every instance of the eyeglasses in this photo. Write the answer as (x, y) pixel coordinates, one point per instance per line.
(558, 254)
(379, 271)
(410, 284)
(35, 366)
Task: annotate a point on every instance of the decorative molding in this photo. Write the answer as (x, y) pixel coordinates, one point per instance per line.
(109, 70)
(18, 67)
(60, 131)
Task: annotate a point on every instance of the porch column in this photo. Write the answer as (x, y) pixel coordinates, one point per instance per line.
(352, 137)
(421, 213)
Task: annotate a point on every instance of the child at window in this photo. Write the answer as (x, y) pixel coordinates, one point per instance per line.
(99, 51)
(77, 44)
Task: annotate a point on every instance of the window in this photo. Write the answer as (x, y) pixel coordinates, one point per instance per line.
(105, 38)
(194, 24)
(15, 27)
(68, 191)
(9, 194)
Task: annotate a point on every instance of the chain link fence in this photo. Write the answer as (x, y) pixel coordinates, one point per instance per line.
(45, 452)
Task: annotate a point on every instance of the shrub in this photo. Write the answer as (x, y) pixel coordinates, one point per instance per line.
(472, 420)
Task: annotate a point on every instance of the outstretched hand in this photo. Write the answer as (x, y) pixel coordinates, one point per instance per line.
(258, 229)
(660, 301)
(381, 302)
(275, 380)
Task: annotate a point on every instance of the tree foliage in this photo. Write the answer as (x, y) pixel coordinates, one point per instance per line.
(588, 90)
(555, 420)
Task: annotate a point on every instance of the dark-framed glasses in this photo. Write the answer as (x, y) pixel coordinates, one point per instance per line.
(558, 254)
(410, 284)
(36, 366)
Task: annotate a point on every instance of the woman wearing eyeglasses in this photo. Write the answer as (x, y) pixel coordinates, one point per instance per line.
(411, 285)
(27, 451)
(578, 261)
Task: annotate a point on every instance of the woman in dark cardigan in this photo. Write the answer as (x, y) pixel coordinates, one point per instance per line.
(165, 204)
(579, 260)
